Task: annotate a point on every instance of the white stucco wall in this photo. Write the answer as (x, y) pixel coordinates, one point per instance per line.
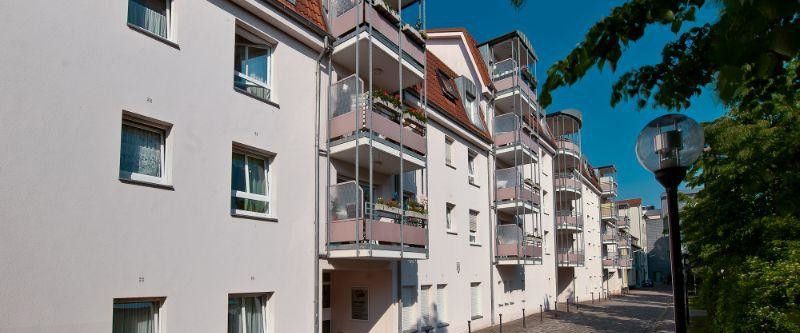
(73, 237)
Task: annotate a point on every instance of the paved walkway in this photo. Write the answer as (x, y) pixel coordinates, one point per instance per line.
(646, 311)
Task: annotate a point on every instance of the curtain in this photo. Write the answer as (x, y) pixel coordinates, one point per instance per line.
(134, 317)
(235, 315)
(150, 15)
(258, 183)
(141, 151)
(254, 314)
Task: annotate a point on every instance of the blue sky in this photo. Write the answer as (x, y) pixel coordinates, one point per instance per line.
(554, 28)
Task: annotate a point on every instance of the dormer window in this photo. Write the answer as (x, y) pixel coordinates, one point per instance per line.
(448, 86)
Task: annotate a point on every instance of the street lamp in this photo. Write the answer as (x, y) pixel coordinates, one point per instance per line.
(667, 146)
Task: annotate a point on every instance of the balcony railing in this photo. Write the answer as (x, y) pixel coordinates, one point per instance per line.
(624, 242)
(385, 21)
(569, 257)
(509, 131)
(512, 243)
(624, 222)
(609, 262)
(609, 237)
(608, 186)
(512, 186)
(569, 219)
(567, 181)
(608, 211)
(354, 224)
(624, 261)
(506, 74)
(351, 116)
(567, 146)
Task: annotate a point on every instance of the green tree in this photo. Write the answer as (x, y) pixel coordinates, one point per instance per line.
(743, 226)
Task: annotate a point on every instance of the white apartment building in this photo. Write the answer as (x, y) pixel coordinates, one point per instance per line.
(356, 173)
(632, 210)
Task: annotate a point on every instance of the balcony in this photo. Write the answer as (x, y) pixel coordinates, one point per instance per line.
(623, 243)
(624, 261)
(568, 154)
(624, 223)
(569, 220)
(515, 85)
(570, 258)
(367, 230)
(609, 238)
(515, 194)
(608, 187)
(514, 141)
(567, 186)
(609, 263)
(375, 136)
(608, 212)
(350, 22)
(516, 248)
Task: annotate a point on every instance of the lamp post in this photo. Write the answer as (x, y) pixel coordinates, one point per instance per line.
(667, 146)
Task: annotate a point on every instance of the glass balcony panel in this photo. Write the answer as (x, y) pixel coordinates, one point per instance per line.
(511, 186)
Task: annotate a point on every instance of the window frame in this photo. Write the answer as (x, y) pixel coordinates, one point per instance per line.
(441, 303)
(475, 312)
(449, 89)
(157, 315)
(473, 234)
(449, 145)
(448, 216)
(170, 34)
(472, 167)
(265, 308)
(255, 42)
(163, 133)
(267, 197)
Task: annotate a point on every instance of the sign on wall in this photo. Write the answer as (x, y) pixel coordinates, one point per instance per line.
(359, 303)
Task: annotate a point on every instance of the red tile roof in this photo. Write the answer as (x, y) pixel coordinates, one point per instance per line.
(473, 49)
(311, 10)
(630, 202)
(454, 109)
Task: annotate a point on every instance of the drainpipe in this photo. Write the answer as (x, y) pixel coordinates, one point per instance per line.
(326, 49)
(493, 206)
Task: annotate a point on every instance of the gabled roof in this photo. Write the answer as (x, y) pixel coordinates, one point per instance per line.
(452, 108)
(311, 10)
(473, 49)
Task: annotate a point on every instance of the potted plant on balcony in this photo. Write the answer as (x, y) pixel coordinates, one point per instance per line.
(415, 119)
(530, 182)
(382, 7)
(383, 97)
(390, 206)
(416, 209)
(413, 33)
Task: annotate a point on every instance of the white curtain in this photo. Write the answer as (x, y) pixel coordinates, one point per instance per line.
(254, 314)
(150, 15)
(134, 318)
(141, 151)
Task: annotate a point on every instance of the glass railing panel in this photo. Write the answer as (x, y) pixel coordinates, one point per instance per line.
(504, 68)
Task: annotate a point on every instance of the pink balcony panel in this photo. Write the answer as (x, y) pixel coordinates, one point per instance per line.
(349, 20)
(386, 232)
(517, 193)
(346, 124)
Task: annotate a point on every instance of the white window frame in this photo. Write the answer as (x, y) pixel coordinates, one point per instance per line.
(252, 196)
(473, 234)
(138, 177)
(448, 215)
(441, 303)
(265, 317)
(476, 312)
(167, 14)
(471, 167)
(158, 303)
(256, 42)
(448, 151)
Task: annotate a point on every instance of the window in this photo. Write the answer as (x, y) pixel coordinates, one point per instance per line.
(426, 305)
(152, 16)
(473, 227)
(359, 303)
(409, 298)
(247, 314)
(251, 69)
(142, 152)
(448, 88)
(250, 190)
(475, 300)
(448, 151)
(449, 217)
(471, 166)
(136, 315)
(441, 303)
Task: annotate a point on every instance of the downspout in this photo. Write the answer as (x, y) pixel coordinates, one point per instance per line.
(326, 49)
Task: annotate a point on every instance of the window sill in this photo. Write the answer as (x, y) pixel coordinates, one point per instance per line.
(252, 216)
(162, 186)
(154, 36)
(268, 102)
(477, 317)
(451, 232)
(475, 244)
(475, 184)
(450, 165)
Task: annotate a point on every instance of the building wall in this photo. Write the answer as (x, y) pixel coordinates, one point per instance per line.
(589, 278)
(74, 237)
